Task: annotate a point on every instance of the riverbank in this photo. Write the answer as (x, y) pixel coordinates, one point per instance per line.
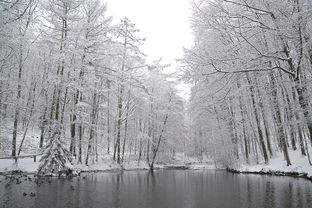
(277, 166)
(28, 166)
(300, 166)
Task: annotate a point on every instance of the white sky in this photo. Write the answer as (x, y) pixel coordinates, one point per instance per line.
(164, 24)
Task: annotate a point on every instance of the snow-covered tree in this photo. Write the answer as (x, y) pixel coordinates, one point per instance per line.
(250, 70)
(56, 157)
(63, 63)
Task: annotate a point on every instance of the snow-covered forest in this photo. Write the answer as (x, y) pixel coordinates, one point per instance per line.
(65, 69)
(251, 73)
(156, 103)
(77, 88)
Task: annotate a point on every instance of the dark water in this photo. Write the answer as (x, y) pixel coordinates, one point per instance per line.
(163, 188)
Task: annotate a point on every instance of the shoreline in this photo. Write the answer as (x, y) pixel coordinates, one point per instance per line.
(114, 169)
(174, 167)
(273, 173)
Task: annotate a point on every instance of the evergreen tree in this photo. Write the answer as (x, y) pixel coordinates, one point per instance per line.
(56, 159)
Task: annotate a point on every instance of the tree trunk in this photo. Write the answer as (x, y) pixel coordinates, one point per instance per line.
(151, 164)
(108, 116)
(19, 92)
(280, 128)
(259, 130)
(126, 127)
(80, 144)
(119, 122)
(43, 124)
(91, 136)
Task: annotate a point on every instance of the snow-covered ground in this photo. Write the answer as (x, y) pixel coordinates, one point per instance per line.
(26, 165)
(201, 166)
(300, 166)
(106, 163)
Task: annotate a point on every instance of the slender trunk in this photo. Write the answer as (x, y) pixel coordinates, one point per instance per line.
(304, 106)
(19, 92)
(121, 88)
(280, 128)
(91, 136)
(119, 122)
(115, 135)
(72, 147)
(160, 135)
(26, 127)
(126, 127)
(64, 105)
(96, 147)
(89, 146)
(43, 124)
(233, 129)
(15, 131)
(140, 140)
(108, 116)
(242, 110)
(80, 144)
(259, 130)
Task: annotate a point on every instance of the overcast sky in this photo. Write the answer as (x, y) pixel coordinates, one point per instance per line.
(164, 24)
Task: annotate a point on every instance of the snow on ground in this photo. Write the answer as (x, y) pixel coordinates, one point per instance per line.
(26, 165)
(135, 165)
(201, 166)
(98, 166)
(105, 163)
(193, 162)
(300, 165)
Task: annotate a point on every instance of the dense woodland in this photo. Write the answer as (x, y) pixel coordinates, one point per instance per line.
(82, 83)
(84, 86)
(251, 68)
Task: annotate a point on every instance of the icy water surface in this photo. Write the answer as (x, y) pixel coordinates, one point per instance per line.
(162, 188)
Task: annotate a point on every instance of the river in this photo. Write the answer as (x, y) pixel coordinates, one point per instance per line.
(161, 188)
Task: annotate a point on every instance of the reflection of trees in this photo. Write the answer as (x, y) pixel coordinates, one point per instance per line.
(249, 193)
(117, 190)
(269, 197)
(299, 196)
(151, 179)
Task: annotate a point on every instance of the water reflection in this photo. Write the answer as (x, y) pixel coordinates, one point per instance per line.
(161, 188)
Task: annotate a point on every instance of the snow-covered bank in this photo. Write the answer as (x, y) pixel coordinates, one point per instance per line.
(102, 166)
(25, 165)
(300, 167)
(28, 166)
(201, 166)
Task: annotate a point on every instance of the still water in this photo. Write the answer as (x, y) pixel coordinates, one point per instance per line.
(161, 188)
